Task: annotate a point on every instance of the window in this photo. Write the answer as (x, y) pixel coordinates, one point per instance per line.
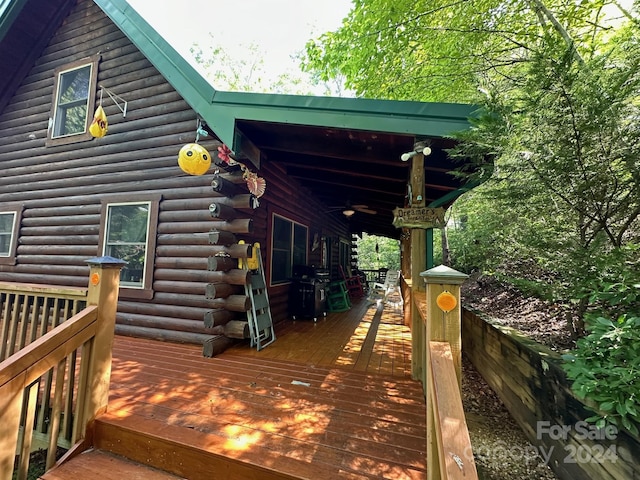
(289, 247)
(73, 102)
(345, 256)
(9, 224)
(128, 232)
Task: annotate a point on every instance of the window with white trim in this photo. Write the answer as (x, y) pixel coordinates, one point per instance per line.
(126, 238)
(10, 217)
(73, 102)
(289, 242)
(7, 231)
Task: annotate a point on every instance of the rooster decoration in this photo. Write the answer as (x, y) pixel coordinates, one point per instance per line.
(256, 185)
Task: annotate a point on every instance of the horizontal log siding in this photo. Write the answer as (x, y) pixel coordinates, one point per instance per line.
(61, 188)
(286, 197)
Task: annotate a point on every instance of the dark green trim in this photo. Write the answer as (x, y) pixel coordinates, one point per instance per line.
(9, 10)
(220, 110)
(430, 248)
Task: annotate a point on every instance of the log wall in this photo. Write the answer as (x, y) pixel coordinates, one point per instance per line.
(530, 381)
(196, 284)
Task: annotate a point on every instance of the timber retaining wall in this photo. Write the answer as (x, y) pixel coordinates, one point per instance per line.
(529, 379)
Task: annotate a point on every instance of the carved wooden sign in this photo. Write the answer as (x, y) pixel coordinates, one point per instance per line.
(419, 217)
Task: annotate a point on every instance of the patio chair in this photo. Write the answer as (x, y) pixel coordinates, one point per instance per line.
(391, 285)
(353, 284)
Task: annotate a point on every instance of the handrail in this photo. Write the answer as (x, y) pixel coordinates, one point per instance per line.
(19, 378)
(57, 365)
(455, 455)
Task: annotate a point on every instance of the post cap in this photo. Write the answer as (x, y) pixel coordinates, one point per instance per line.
(443, 274)
(106, 261)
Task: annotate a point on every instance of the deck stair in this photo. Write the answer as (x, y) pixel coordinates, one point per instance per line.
(235, 419)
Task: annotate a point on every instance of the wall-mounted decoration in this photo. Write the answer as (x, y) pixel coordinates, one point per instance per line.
(256, 185)
(100, 125)
(193, 158)
(446, 301)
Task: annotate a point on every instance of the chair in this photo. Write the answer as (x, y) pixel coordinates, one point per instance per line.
(337, 297)
(384, 290)
(353, 284)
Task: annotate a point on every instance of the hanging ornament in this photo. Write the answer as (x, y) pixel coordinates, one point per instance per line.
(224, 154)
(194, 159)
(99, 125)
(256, 185)
(446, 301)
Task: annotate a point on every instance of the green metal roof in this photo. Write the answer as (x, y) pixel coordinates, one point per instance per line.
(343, 150)
(221, 109)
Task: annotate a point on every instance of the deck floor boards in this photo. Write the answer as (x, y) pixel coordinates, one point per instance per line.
(327, 399)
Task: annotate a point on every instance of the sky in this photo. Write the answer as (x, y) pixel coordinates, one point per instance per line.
(279, 28)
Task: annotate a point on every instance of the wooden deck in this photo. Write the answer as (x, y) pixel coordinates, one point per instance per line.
(326, 400)
(364, 339)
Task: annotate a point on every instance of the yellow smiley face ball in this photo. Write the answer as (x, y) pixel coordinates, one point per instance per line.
(194, 159)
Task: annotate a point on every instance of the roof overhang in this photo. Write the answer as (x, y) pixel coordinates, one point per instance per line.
(340, 149)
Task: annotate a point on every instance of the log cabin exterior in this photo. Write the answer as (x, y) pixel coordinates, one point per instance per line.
(62, 190)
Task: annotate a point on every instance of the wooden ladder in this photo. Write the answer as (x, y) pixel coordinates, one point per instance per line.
(259, 315)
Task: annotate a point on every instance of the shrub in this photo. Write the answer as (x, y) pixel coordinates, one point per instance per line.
(605, 368)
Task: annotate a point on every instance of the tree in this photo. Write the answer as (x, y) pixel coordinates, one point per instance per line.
(441, 50)
(244, 75)
(376, 252)
(558, 86)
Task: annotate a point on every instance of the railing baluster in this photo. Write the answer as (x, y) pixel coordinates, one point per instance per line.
(35, 316)
(47, 380)
(27, 434)
(83, 387)
(67, 427)
(55, 321)
(23, 323)
(6, 309)
(56, 410)
(46, 313)
(15, 318)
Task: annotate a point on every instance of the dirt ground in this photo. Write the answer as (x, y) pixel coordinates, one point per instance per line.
(500, 447)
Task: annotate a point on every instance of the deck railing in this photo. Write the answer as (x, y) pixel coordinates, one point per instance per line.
(56, 362)
(436, 362)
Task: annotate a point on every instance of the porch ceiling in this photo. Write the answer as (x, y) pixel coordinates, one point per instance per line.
(345, 165)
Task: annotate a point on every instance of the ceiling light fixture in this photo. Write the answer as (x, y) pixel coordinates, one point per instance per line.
(347, 212)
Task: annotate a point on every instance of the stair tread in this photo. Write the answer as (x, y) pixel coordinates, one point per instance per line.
(237, 450)
(107, 466)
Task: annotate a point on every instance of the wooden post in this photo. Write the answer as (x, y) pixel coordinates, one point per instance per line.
(104, 282)
(442, 326)
(418, 264)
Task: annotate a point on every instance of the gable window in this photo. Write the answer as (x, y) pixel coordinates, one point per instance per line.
(289, 247)
(73, 102)
(9, 224)
(128, 232)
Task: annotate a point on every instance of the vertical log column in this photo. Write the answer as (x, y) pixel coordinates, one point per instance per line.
(418, 264)
(443, 325)
(104, 284)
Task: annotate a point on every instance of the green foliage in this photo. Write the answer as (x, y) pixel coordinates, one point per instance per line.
(441, 50)
(241, 75)
(604, 368)
(378, 252)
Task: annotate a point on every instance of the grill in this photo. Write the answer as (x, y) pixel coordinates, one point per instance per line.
(307, 294)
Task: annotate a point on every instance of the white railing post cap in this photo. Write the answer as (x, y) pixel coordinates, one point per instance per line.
(443, 274)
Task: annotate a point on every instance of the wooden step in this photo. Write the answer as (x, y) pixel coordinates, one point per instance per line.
(260, 418)
(105, 466)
